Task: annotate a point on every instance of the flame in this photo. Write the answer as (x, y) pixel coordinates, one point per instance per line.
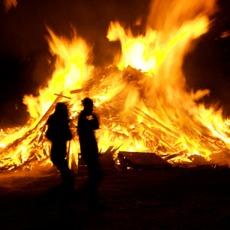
(71, 73)
(148, 52)
(10, 4)
(25, 144)
(142, 99)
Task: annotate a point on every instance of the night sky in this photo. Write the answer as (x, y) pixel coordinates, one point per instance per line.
(24, 54)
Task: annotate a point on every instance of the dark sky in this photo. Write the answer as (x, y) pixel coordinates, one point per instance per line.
(24, 65)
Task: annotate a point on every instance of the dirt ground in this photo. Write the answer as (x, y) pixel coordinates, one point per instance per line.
(148, 198)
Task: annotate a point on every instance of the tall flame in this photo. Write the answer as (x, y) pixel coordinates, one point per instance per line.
(141, 99)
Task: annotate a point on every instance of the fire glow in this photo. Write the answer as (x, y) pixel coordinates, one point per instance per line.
(141, 98)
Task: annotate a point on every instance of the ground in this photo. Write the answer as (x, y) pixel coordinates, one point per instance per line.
(148, 198)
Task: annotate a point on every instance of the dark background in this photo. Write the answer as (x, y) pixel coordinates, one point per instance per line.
(25, 59)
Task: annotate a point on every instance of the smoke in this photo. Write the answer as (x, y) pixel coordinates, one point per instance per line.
(8, 4)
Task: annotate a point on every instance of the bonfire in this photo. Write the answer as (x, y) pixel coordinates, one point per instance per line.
(142, 98)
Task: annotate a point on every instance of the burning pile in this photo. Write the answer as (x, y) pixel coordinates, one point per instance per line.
(141, 98)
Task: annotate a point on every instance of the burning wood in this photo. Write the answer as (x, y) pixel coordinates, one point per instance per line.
(34, 136)
(62, 96)
(139, 160)
(50, 110)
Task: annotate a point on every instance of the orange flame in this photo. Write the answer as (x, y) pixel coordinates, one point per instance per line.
(10, 4)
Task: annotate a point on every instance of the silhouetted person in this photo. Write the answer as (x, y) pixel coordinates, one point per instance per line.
(87, 124)
(59, 133)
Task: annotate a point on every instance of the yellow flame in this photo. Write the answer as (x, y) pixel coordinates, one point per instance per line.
(148, 52)
(71, 73)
